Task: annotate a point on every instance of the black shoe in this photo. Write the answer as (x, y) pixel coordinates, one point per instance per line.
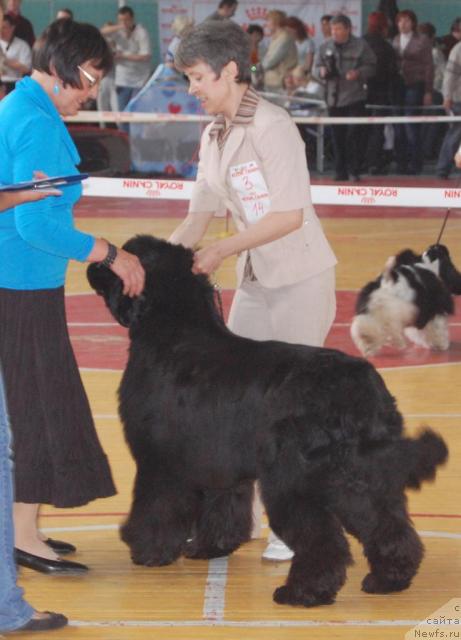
(341, 177)
(442, 176)
(44, 565)
(52, 621)
(63, 548)
(355, 177)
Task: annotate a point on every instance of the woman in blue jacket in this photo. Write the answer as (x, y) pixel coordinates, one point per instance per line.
(58, 457)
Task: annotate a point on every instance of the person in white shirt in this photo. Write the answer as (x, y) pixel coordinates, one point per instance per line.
(132, 55)
(15, 56)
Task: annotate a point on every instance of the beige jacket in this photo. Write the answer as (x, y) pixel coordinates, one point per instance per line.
(280, 57)
(273, 142)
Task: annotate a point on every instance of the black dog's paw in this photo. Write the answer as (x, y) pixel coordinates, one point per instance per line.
(194, 551)
(373, 584)
(150, 558)
(287, 595)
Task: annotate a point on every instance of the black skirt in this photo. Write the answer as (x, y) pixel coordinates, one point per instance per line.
(57, 454)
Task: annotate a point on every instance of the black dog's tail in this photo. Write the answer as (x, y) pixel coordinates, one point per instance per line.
(425, 454)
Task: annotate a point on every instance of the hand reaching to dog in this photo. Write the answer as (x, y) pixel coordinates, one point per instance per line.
(129, 269)
(126, 266)
(207, 260)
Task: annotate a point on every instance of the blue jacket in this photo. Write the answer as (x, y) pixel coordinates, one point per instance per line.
(37, 239)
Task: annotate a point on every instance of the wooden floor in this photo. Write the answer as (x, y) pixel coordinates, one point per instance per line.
(232, 598)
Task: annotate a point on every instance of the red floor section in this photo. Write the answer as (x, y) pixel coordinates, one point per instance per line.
(105, 347)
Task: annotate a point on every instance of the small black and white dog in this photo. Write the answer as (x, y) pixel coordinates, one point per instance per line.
(412, 298)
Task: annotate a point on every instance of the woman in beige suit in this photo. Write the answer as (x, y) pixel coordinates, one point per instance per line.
(253, 163)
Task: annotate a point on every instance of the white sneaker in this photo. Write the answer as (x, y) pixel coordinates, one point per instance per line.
(277, 551)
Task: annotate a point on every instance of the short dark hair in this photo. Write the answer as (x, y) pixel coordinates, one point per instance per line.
(293, 22)
(255, 28)
(326, 18)
(216, 42)
(69, 12)
(227, 3)
(126, 11)
(65, 44)
(342, 19)
(411, 15)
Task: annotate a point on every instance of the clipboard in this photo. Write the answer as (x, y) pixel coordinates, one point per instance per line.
(45, 183)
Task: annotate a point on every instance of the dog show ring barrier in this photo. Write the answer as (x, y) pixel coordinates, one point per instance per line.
(321, 121)
(346, 195)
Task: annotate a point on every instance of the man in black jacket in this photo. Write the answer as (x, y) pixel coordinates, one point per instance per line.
(346, 63)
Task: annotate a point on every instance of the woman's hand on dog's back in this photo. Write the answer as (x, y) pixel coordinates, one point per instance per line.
(125, 265)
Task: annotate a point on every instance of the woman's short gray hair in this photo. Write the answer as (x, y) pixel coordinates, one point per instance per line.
(216, 42)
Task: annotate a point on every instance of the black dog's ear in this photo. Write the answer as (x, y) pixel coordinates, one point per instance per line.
(110, 287)
(407, 256)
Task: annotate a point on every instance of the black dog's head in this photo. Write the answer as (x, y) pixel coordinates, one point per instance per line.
(163, 263)
(446, 270)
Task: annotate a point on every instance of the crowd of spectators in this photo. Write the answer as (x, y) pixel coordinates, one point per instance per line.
(398, 67)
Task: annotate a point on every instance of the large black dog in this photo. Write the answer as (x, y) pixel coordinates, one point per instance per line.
(206, 412)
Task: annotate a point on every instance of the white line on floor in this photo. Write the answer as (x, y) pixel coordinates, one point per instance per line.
(440, 534)
(215, 590)
(245, 623)
(93, 324)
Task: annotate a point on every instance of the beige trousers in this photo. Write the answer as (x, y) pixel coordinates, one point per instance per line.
(301, 313)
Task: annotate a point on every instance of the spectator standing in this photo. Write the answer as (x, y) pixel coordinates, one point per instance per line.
(432, 133)
(448, 41)
(225, 11)
(325, 26)
(132, 55)
(17, 55)
(256, 33)
(346, 63)
(381, 88)
(451, 90)
(304, 44)
(24, 28)
(179, 27)
(281, 54)
(107, 95)
(390, 10)
(414, 54)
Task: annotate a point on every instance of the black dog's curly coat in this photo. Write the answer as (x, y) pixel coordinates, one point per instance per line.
(207, 412)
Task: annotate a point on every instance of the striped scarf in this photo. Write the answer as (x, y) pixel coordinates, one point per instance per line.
(244, 116)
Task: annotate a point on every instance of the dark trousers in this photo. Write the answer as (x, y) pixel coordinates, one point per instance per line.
(348, 140)
(408, 150)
